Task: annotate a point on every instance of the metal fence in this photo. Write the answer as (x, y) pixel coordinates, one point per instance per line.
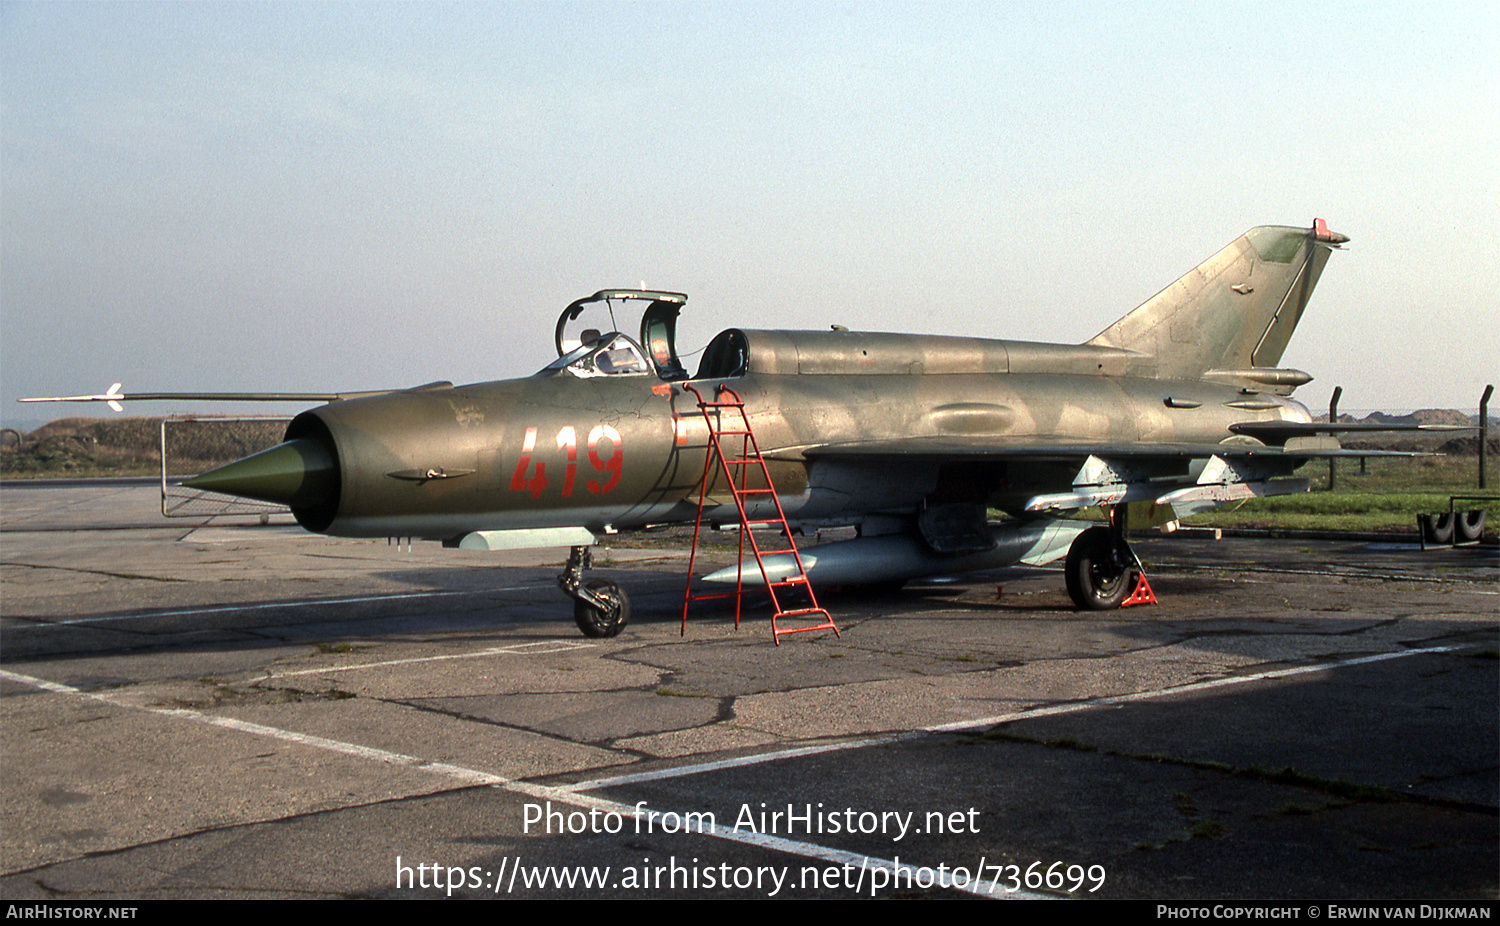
(195, 445)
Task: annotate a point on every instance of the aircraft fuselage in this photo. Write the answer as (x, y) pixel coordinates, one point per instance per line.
(621, 452)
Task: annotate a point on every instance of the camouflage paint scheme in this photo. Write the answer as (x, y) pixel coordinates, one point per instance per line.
(856, 424)
(1178, 406)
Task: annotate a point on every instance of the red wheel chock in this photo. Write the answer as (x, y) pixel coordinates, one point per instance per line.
(1141, 594)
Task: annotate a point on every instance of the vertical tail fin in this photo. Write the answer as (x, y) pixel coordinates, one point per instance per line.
(1235, 311)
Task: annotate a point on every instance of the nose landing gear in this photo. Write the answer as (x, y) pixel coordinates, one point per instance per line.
(600, 607)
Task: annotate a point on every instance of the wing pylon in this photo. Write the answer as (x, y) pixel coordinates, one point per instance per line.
(1102, 481)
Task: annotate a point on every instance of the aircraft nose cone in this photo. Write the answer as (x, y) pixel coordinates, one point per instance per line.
(300, 473)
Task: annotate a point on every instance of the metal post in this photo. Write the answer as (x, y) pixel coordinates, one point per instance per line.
(1484, 428)
(164, 468)
(1333, 417)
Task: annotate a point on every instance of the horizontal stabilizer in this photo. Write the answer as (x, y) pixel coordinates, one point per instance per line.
(1279, 432)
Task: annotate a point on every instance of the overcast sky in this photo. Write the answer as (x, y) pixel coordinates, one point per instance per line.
(308, 197)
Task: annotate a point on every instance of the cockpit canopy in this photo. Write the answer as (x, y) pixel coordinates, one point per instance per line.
(591, 340)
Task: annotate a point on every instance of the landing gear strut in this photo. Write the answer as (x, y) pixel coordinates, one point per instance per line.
(601, 608)
(1102, 571)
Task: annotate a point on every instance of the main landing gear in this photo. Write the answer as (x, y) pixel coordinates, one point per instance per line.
(601, 608)
(1102, 571)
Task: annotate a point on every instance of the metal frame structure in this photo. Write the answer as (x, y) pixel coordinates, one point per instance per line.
(736, 469)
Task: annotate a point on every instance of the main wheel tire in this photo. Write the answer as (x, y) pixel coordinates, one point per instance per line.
(1100, 572)
(596, 623)
(1470, 525)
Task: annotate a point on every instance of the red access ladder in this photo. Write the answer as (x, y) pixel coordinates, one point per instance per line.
(736, 467)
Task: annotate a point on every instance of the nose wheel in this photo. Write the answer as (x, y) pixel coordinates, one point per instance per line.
(600, 607)
(606, 619)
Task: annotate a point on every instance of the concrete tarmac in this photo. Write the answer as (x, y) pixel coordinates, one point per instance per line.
(194, 709)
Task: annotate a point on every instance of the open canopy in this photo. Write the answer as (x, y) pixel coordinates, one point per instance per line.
(591, 336)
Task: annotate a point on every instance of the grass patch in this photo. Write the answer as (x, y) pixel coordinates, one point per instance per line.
(131, 446)
(1389, 498)
(667, 692)
(1206, 829)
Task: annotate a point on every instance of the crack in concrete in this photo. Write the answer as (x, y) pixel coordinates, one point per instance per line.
(97, 572)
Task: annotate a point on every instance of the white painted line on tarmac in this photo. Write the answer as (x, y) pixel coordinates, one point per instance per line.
(519, 649)
(898, 871)
(1191, 687)
(464, 775)
(681, 771)
(571, 794)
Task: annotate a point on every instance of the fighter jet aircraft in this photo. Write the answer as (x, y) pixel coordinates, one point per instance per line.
(911, 439)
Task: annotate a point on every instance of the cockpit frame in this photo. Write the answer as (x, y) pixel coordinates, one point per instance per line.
(657, 343)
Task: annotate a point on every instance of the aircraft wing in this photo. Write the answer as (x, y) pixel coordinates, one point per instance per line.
(1118, 472)
(981, 449)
